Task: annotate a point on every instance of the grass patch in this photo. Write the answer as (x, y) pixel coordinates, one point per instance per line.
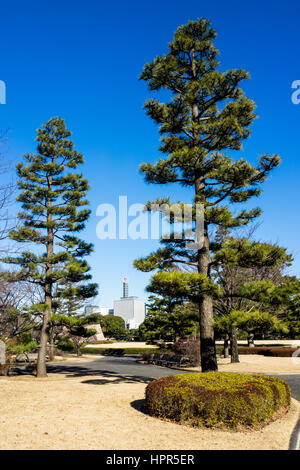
(118, 351)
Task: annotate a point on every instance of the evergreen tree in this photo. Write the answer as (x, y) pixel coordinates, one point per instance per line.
(68, 301)
(53, 197)
(251, 277)
(114, 326)
(293, 315)
(167, 321)
(207, 116)
(251, 322)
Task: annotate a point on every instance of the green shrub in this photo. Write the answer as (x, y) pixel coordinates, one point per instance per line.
(219, 350)
(216, 399)
(66, 345)
(117, 351)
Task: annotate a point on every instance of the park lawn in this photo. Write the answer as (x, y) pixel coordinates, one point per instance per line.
(66, 411)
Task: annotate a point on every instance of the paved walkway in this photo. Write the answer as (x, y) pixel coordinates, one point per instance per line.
(133, 371)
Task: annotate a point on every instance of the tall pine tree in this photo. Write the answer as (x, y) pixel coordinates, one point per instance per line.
(53, 198)
(207, 116)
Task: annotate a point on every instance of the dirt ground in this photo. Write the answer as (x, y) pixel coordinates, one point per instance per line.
(68, 412)
(261, 364)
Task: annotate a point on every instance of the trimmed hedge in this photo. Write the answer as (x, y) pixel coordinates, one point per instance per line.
(268, 351)
(117, 351)
(275, 351)
(265, 351)
(217, 399)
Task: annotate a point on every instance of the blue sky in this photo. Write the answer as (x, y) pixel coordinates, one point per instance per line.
(81, 61)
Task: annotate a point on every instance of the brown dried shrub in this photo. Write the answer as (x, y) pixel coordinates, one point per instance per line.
(189, 348)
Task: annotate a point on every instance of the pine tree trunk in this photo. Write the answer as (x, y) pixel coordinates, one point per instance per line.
(207, 340)
(51, 345)
(234, 346)
(41, 362)
(251, 340)
(226, 346)
(78, 350)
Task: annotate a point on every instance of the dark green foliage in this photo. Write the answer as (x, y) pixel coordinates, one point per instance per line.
(66, 345)
(70, 297)
(18, 348)
(23, 346)
(246, 253)
(114, 327)
(117, 351)
(252, 321)
(293, 316)
(254, 290)
(168, 321)
(217, 399)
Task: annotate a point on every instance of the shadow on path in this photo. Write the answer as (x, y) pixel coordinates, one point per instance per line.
(107, 376)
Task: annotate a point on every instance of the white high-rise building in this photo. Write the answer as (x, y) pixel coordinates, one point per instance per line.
(131, 309)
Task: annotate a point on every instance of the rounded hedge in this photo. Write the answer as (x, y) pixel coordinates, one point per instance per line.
(217, 399)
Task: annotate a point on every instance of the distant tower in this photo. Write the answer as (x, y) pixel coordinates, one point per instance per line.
(125, 287)
(131, 309)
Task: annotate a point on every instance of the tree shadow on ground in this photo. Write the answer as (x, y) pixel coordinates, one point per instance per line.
(107, 377)
(27, 370)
